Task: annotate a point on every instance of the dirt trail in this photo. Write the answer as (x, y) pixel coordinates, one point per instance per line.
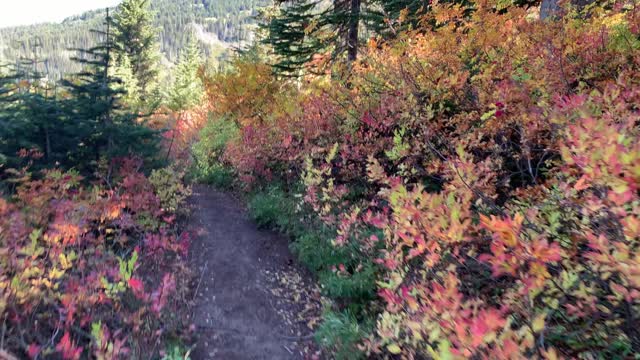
(252, 301)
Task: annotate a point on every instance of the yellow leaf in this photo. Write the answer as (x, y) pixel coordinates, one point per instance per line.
(56, 274)
(551, 354)
(444, 351)
(65, 261)
(538, 322)
(394, 349)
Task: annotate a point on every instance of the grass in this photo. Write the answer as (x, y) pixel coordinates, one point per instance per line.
(342, 332)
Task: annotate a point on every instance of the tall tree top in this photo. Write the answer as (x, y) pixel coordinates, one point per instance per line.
(137, 38)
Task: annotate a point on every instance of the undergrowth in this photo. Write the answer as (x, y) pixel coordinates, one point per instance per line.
(471, 184)
(344, 275)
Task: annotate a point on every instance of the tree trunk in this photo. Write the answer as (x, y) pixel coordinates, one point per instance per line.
(352, 37)
(47, 141)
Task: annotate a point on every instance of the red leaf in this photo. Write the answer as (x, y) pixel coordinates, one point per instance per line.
(68, 349)
(33, 350)
(136, 285)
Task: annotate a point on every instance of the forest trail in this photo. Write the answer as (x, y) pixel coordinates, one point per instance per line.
(252, 300)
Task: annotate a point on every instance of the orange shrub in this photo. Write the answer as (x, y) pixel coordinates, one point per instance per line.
(496, 156)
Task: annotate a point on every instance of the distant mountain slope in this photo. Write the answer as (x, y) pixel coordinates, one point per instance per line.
(218, 24)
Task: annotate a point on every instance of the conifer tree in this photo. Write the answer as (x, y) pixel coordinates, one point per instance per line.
(30, 115)
(128, 83)
(96, 108)
(136, 41)
(297, 31)
(287, 36)
(187, 88)
(301, 29)
(10, 122)
(85, 121)
(382, 17)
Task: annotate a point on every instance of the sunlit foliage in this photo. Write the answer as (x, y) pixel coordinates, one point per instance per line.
(487, 161)
(76, 263)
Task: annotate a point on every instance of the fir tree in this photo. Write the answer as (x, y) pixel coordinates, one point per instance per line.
(11, 121)
(30, 115)
(383, 15)
(187, 88)
(128, 83)
(136, 40)
(104, 126)
(303, 28)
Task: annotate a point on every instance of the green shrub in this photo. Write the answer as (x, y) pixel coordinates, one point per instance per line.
(169, 187)
(219, 176)
(358, 284)
(316, 252)
(341, 332)
(177, 352)
(208, 165)
(273, 208)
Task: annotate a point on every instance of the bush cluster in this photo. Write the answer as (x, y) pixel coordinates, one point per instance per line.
(90, 270)
(473, 184)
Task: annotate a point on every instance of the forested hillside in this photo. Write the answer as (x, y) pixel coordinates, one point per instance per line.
(219, 25)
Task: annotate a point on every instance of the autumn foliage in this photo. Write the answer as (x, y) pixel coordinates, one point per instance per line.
(487, 162)
(88, 270)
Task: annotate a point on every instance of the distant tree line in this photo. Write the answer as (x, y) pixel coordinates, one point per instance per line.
(228, 20)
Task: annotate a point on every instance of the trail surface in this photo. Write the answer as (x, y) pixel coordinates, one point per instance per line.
(251, 301)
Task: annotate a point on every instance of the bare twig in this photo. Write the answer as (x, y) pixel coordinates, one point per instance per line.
(204, 269)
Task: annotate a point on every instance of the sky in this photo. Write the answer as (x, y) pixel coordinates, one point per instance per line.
(26, 12)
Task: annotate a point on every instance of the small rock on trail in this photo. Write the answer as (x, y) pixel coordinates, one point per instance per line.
(251, 299)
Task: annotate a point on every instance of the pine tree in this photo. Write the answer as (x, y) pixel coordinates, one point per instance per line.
(11, 121)
(30, 114)
(382, 16)
(187, 88)
(77, 125)
(136, 41)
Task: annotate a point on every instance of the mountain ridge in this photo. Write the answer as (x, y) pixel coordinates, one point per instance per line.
(50, 43)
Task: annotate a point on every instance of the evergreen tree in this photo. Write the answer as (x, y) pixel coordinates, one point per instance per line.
(11, 121)
(381, 18)
(300, 29)
(346, 18)
(294, 32)
(187, 88)
(79, 124)
(304, 28)
(136, 39)
(228, 20)
(95, 108)
(128, 83)
(30, 115)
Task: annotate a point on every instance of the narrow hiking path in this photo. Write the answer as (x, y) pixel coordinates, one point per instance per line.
(252, 300)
